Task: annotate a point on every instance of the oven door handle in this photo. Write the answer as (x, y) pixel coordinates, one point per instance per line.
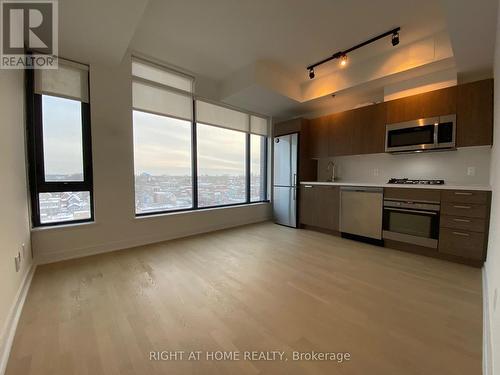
(411, 211)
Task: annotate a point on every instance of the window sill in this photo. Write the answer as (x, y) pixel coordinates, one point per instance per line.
(193, 211)
(62, 226)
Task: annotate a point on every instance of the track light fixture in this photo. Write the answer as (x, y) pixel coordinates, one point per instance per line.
(342, 55)
(395, 39)
(343, 60)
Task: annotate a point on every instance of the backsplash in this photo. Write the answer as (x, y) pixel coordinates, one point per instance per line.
(465, 166)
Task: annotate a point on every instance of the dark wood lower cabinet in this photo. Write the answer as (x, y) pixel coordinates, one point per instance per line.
(319, 206)
(461, 243)
(464, 221)
(308, 204)
(464, 224)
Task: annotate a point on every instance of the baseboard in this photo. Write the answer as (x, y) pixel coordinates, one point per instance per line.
(487, 362)
(140, 241)
(10, 327)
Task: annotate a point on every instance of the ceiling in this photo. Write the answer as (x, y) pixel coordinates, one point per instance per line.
(227, 35)
(253, 53)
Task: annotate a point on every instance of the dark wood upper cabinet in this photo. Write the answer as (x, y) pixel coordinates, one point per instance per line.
(475, 114)
(341, 133)
(429, 104)
(369, 130)
(319, 135)
(362, 130)
(288, 127)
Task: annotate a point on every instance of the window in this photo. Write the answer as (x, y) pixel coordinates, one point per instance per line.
(59, 139)
(162, 159)
(162, 120)
(221, 166)
(180, 164)
(257, 168)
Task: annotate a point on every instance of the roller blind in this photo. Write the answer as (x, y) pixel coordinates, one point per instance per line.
(212, 114)
(159, 100)
(69, 80)
(157, 74)
(258, 125)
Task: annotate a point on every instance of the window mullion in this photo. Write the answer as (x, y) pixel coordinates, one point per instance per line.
(248, 166)
(194, 158)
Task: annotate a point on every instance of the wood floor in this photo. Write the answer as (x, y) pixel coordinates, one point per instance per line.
(261, 287)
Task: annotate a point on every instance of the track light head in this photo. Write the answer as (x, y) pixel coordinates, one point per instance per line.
(343, 60)
(311, 73)
(395, 39)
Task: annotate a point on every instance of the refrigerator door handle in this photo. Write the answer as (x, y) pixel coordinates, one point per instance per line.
(295, 179)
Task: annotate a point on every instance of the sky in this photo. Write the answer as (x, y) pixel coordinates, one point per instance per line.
(162, 145)
(62, 136)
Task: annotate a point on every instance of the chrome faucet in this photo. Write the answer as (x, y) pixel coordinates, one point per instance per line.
(331, 167)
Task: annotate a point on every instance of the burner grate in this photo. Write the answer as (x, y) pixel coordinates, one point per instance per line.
(407, 181)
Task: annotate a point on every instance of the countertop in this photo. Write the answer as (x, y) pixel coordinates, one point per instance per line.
(385, 185)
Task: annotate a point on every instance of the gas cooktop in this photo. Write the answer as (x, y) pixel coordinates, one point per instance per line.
(406, 181)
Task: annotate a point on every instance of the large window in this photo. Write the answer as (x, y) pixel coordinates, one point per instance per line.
(181, 164)
(60, 161)
(221, 166)
(163, 178)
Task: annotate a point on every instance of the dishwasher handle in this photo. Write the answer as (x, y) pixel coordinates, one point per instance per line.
(362, 189)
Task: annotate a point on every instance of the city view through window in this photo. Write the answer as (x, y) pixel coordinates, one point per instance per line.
(63, 160)
(163, 165)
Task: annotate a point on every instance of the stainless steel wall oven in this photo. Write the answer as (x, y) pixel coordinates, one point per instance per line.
(411, 222)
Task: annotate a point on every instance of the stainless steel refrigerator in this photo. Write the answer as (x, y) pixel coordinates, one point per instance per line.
(285, 179)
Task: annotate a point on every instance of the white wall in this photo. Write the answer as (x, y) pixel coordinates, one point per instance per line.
(14, 222)
(492, 266)
(448, 165)
(115, 226)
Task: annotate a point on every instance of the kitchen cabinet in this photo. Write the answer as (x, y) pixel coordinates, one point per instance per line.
(341, 133)
(319, 135)
(362, 130)
(319, 206)
(464, 224)
(475, 114)
(369, 130)
(429, 104)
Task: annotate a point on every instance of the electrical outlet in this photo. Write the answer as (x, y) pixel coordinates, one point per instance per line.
(471, 171)
(17, 262)
(495, 295)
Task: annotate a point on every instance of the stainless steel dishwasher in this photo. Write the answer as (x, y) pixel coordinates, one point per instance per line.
(361, 211)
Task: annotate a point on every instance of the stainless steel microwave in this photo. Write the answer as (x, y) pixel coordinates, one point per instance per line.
(426, 134)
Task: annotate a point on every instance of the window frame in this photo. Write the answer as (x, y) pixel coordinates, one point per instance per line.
(36, 163)
(194, 179)
(194, 146)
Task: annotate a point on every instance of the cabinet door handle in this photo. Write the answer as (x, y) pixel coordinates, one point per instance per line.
(462, 220)
(461, 234)
(308, 186)
(463, 207)
(462, 193)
